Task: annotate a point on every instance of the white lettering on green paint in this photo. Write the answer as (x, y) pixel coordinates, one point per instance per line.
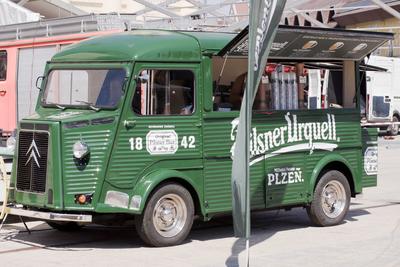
(287, 175)
(311, 135)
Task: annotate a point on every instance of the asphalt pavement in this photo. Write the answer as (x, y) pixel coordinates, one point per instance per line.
(370, 236)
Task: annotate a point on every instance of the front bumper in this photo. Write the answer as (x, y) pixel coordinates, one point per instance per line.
(49, 216)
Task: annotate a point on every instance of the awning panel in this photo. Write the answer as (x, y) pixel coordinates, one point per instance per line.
(307, 43)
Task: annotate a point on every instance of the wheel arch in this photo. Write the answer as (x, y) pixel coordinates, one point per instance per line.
(150, 182)
(333, 162)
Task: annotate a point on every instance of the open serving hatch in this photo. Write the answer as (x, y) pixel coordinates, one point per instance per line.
(313, 44)
(321, 63)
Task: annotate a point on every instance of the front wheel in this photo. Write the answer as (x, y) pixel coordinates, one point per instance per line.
(167, 217)
(331, 199)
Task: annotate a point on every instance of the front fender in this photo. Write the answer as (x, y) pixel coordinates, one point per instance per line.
(333, 157)
(151, 180)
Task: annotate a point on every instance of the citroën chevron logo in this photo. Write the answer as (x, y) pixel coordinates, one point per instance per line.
(34, 154)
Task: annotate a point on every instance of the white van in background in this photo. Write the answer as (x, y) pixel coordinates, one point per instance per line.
(383, 92)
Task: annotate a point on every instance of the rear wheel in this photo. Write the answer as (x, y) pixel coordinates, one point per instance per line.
(167, 217)
(65, 226)
(394, 129)
(331, 199)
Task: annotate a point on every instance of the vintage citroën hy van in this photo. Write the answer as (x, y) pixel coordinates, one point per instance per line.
(142, 124)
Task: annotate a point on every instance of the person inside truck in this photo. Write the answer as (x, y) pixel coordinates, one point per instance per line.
(187, 107)
(237, 91)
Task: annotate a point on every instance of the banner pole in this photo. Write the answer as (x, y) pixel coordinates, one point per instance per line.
(264, 19)
(247, 252)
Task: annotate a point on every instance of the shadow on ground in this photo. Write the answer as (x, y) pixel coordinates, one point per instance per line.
(264, 225)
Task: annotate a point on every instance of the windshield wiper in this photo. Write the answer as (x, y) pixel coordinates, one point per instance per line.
(56, 105)
(89, 104)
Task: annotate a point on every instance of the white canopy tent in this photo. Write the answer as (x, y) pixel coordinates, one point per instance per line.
(209, 15)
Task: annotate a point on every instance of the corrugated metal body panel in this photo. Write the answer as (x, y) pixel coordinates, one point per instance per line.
(86, 179)
(131, 157)
(217, 185)
(283, 170)
(351, 155)
(217, 137)
(218, 189)
(147, 143)
(348, 146)
(217, 164)
(218, 168)
(30, 67)
(279, 165)
(283, 194)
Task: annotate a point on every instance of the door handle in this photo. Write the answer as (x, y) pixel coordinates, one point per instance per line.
(3, 92)
(129, 124)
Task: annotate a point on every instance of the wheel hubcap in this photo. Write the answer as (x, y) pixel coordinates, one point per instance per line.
(394, 128)
(333, 199)
(169, 215)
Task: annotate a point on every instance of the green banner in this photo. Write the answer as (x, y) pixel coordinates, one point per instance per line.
(265, 16)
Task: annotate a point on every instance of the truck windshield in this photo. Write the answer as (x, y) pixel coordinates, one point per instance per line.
(93, 88)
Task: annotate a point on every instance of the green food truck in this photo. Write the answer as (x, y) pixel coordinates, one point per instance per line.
(142, 125)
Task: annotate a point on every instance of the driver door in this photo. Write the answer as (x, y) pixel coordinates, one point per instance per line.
(160, 125)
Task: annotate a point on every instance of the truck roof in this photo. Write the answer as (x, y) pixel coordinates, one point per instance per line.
(146, 45)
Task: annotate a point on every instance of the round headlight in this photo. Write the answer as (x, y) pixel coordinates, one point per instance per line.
(80, 149)
(10, 143)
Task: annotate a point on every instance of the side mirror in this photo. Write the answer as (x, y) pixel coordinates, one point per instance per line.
(39, 81)
(143, 78)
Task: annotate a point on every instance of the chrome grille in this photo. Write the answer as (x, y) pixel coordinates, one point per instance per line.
(32, 161)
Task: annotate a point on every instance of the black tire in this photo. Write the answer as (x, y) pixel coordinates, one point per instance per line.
(65, 226)
(324, 210)
(393, 130)
(173, 205)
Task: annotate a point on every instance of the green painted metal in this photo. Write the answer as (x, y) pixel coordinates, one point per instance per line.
(370, 147)
(150, 181)
(135, 46)
(205, 167)
(217, 149)
(333, 158)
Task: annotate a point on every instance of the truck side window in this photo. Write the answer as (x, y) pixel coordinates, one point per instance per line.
(3, 65)
(164, 92)
(285, 86)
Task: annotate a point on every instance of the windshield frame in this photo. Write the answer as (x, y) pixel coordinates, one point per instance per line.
(75, 66)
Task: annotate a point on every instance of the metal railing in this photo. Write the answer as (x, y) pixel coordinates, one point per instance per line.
(69, 25)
